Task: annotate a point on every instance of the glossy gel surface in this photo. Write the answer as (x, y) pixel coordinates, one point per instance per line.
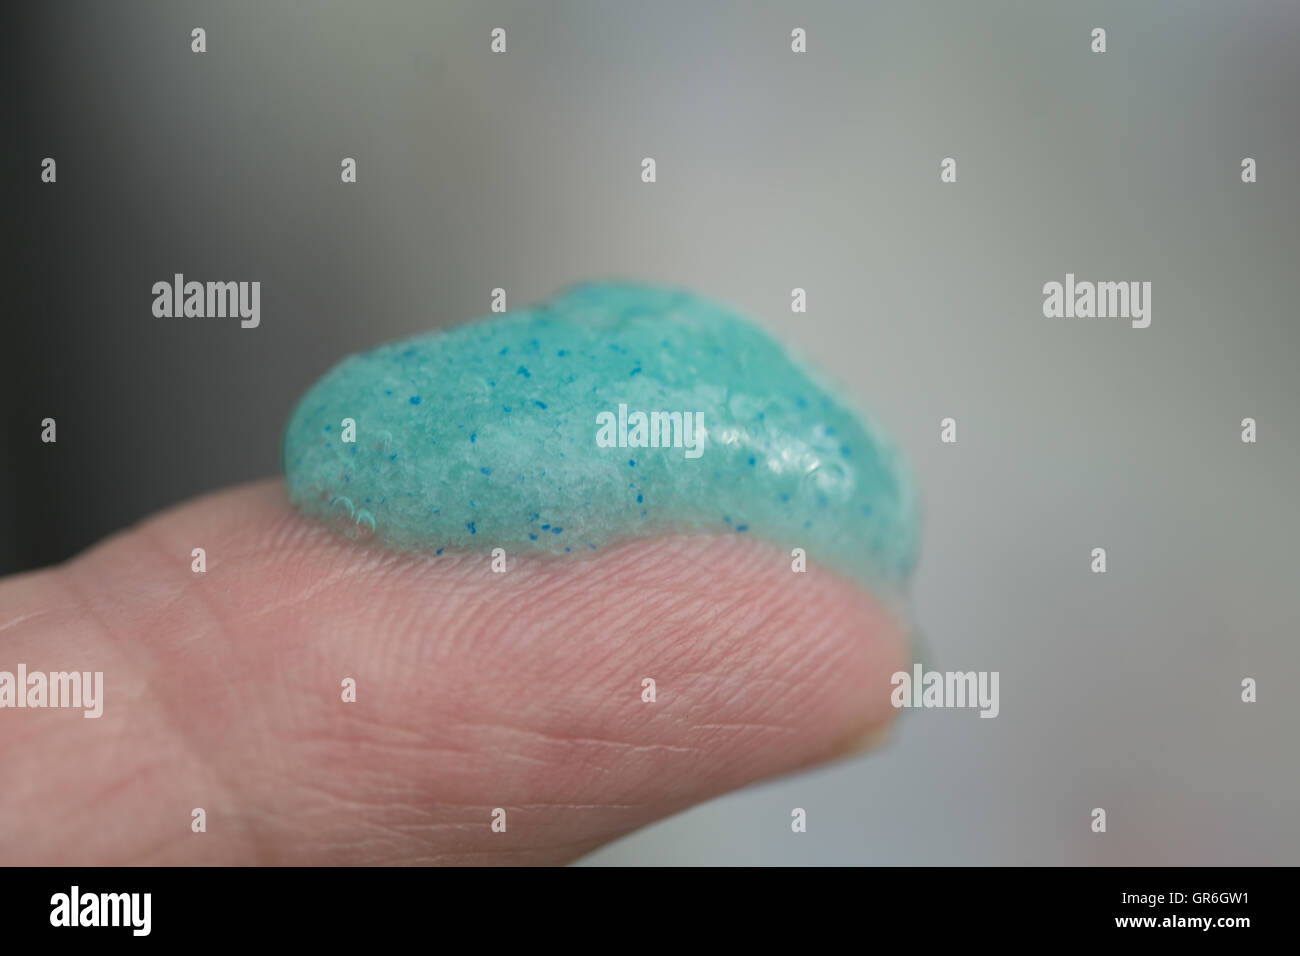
(506, 433)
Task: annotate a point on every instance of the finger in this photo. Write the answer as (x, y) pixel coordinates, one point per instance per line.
(480, 696)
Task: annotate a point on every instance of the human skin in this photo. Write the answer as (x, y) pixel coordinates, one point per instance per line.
(475, 691)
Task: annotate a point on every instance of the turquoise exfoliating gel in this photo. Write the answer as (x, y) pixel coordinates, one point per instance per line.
(613, 411)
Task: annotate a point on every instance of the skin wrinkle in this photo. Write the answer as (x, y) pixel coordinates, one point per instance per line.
(215, 622)
(150, 536)
(161, 702)
(22, 619)
(41, 791)
(625, 745)
(425, 823)
(225, 627)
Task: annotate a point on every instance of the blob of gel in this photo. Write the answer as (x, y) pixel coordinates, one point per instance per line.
(613, 411)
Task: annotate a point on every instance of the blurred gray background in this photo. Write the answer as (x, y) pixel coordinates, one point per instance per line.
(775, 170)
